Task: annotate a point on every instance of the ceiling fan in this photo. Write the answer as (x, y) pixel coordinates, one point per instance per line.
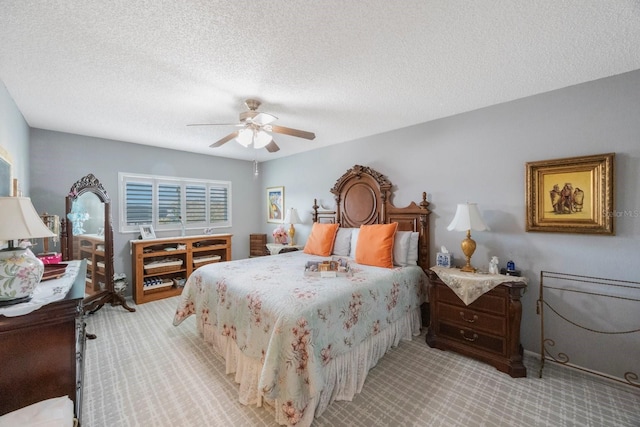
(255, 127)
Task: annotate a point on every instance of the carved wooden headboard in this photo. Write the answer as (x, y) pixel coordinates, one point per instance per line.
(362, 196)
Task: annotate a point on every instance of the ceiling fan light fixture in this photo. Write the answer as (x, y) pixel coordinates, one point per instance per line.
(261, 139)
(245, 137)
(264, 119)
(256, 129)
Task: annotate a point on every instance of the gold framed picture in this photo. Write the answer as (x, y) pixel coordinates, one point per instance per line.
(571, 195)
(275, 204)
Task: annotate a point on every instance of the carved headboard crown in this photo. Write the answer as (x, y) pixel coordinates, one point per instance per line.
(363, 196)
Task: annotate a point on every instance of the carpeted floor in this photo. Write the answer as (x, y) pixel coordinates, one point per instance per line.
(142, 371)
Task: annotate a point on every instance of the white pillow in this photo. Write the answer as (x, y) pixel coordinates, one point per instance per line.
(412, 255)
(355, 232)
(401, 248)
(342, 244)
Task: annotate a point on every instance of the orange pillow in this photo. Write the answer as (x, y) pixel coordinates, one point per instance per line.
(320, 242)
(375, 245)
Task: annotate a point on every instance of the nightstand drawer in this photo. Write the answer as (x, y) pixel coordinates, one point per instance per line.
(472, 319)
(473, 338)
(493, 301)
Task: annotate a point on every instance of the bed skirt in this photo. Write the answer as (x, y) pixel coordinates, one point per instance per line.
(344, 376)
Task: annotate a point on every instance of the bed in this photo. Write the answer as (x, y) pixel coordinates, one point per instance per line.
(299, 341)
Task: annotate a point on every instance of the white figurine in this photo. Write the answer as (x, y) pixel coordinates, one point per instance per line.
(493, 265)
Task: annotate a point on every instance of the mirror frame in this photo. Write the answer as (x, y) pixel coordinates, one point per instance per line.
(90, 184)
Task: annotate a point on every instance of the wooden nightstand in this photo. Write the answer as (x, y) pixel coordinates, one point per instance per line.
(487, 329)
(258, 245)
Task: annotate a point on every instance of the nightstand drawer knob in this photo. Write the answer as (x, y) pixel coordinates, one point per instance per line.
(475, 317)
(475, 336)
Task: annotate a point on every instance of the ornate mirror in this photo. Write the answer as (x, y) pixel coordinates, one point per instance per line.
(87, 233)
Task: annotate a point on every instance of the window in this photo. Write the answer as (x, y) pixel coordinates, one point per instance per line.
(167, 203)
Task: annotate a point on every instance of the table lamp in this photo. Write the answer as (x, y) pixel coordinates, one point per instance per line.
(292, 218)
(20, 269)
(467, 218)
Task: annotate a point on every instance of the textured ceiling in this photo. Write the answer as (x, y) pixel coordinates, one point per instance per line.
(140, 71)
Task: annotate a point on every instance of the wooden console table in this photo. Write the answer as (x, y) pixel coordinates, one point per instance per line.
(488, 328)
(187, 254)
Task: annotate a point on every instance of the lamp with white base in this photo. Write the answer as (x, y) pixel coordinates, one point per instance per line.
(292, 218)
(468, 218)
(20, 269)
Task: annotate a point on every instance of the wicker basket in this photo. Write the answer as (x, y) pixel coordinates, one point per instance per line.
(200, 261)
(163, 267)
(166, 283)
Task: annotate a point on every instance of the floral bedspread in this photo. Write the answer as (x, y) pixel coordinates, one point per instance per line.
(296, 324)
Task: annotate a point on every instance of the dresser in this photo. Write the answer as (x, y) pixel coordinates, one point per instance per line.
(487, 329)
(41, 353)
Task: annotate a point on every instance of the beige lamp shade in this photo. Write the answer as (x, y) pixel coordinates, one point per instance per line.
(20, 220)
(291, 217)
(467, 217)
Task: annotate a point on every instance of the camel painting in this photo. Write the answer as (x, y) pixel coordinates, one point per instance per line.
(566, 200)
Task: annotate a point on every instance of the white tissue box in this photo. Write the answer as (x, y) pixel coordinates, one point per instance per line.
(443, 260)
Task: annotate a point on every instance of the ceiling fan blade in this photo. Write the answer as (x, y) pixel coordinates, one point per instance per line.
(292, 132)
(272, 147)
(216, 124)
(225, 139)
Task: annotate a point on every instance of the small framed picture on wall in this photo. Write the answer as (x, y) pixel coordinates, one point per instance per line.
(275, 204)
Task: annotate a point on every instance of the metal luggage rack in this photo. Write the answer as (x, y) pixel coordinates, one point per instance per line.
(555, 281)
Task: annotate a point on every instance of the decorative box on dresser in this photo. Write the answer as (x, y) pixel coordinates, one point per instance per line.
(488, 327)
(161, 266)
(42, 352)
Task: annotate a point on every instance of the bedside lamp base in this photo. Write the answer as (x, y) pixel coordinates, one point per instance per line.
(468, 246)
(292, 233)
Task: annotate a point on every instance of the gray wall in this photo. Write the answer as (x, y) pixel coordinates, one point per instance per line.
(59, 159)
(480, 157)
(14, 138)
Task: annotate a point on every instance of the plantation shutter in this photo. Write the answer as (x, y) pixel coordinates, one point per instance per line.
(196, 204)
(168, 203)
(139, 203)
(218, 202)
